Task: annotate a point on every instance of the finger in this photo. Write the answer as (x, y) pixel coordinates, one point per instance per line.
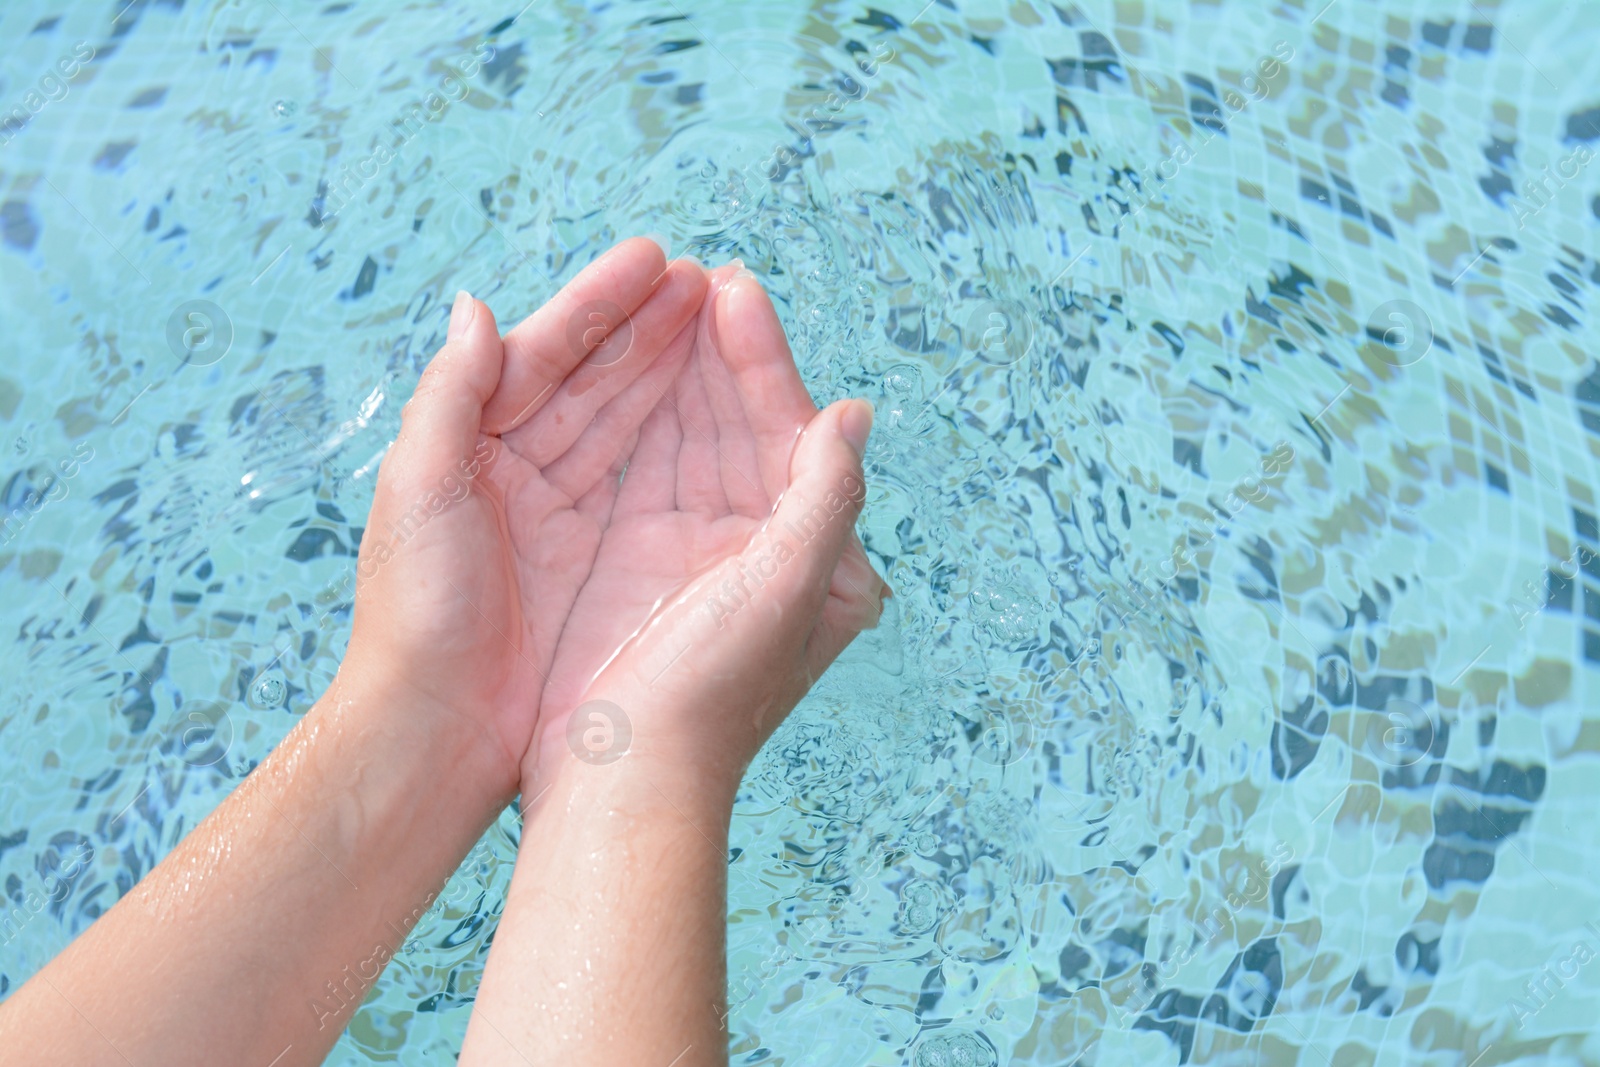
(737, 456)
(609, 437)
(856, 590)
(738, 452)
(699, 463)
(855, 603)
(752, 343)
(591, 386)
(781, 577)
(720, 276)
(441, 425)
(816, 516)
(539, 351)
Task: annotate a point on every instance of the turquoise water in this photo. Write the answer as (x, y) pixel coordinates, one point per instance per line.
(1235, 469)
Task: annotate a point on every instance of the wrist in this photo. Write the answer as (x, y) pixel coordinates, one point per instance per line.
(641, 783)
(416, 737)
(644, 744)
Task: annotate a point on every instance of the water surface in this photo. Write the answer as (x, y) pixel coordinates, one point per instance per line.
(1235, 469)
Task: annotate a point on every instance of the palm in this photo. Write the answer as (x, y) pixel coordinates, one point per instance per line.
(703, 432)
(703, 436)
(620, 478)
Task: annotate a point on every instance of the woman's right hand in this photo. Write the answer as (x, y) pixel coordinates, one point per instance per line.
(727, 577)
(728, 572)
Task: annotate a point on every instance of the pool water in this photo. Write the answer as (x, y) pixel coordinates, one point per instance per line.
(1235, 470)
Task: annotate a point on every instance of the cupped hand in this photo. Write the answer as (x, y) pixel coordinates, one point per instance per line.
(485, 521)
(728, 574)
(550, 494)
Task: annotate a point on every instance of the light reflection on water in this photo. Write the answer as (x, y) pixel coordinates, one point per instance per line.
(1234, 469)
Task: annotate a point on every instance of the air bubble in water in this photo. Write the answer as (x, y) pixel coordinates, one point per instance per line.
(902, 382)
(919, 907)
(284, 108)
(1008, 613)
(270, 691)
(954, 1049)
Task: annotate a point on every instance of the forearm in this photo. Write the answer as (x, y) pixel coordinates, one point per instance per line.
(258, 937)
(623, 868)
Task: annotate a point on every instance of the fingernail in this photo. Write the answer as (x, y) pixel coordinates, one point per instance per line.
(462, 312)
(857, 425)
(661, 242)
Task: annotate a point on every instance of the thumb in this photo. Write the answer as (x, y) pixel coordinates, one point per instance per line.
(817, 513)
(441, 424)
